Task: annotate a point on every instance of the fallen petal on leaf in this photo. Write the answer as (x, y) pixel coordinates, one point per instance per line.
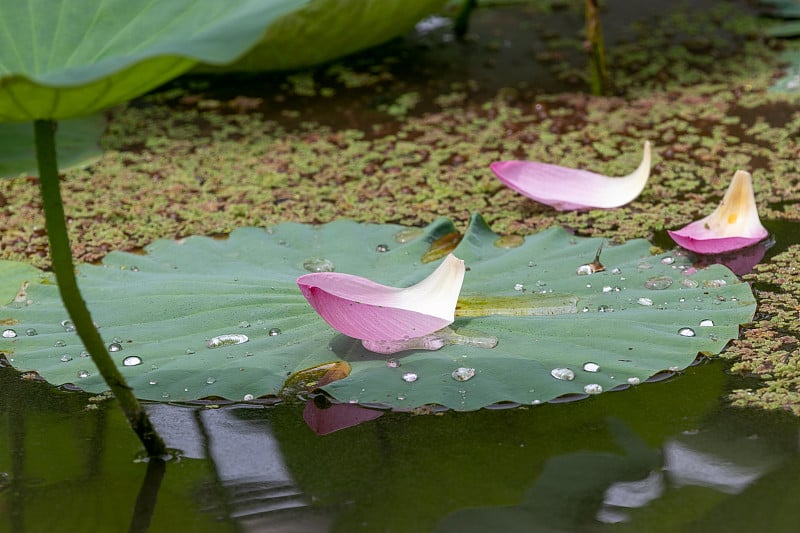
(733, 225)
(566, 188)
(366, 310)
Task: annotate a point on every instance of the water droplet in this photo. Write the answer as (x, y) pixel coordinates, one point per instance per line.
(114, 347)
(153, 382)
(608, 288)
(408, 234)
(134, 268)
(591, 367)
(604, 309)
(658, 283)
(463, 373)
(244, 324)
(189, 351)
(165, 395)
(66, 358)
(132, 360)
(644, 266)
(584, 270)
(9, 334)
(564, 374)
(274, 332)
(318, 264)
(715, 283)
(68, 325)
(83, 373)
(401, 397)
(410, 377)
(705, 323)
(689, 283)
(30, 332)
(519, 287)
(210, 380)
(248, 397)
(229, 339)
(382, 248)
(634, 381)
(668, 260)
(616, 270)
(84, 353)
(59, 344)
(593, 388)
(585, 310)
(686, 332)
(531, 264)
(644, 301)
(392, 363)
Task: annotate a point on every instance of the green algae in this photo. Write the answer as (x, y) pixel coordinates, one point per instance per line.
(375, 148)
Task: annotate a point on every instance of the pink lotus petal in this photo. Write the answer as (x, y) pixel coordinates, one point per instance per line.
(366, 310)
(567, 188)
(733, 225)
(336, 417)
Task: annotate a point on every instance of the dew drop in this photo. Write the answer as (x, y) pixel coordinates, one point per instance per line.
(634, 381)
(604, 309)
(318, 264)
(84, 353)
(658, 283)
(189, 351)
(392, 363)
(229, 339)
(68, 325)
(165, 395)
(463, 373)
(59, 344)
(401, 397)
(410, 377)
(564, 374)
(686, 332)
(593, 388)
(382, 248)
(519, 287)
(584, 270)
(608, 288)
(66, 358)
(274, 332)
(244, 324)
(132, 360)
(591, 367)
(408, 234)
(705, 323)
(30, 332)
(248, 397)
(9, 334)
(114, 347)
(689, 283)
(134, 268)
(83, 373)
(616, 270)
(644, 266)
(715, 283)
(585, 310)
(644, 301)
(210, 380)
(668, 260)
(153, 382)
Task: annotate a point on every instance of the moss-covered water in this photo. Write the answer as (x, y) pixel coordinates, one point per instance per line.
(405, 135)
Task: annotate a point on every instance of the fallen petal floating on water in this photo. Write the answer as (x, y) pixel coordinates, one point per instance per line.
(366, 310)
(567, 188)
(733, 225)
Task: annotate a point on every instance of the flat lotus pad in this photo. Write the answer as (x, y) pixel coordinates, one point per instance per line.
(175, 317)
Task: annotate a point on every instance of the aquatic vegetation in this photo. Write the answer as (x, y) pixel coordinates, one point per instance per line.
(567, 188)
(370, 311)
(733, 225)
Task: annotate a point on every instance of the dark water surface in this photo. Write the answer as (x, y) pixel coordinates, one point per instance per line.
(667, 456)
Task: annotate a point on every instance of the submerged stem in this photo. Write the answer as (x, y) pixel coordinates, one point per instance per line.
(64, 269)
(598, 77)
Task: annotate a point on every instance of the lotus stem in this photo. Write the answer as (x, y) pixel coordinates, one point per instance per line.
(598, 75)
(461, 24)
(64, 269)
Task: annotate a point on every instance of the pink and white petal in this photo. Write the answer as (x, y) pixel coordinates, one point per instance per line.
(571, 189)
(366, 310)
(733, 225)
(336, 417)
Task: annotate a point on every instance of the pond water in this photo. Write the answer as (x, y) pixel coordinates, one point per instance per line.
(666, 456)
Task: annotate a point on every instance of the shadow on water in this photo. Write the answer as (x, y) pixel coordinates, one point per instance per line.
(606, 463)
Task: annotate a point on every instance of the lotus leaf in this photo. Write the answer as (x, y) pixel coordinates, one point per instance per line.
(223, 318)
(74, 57)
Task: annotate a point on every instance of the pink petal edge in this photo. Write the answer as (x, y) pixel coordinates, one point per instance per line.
(712, 246)
(572, 189)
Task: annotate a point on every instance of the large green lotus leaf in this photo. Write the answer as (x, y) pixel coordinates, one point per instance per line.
(327, 29)
(164, 306)
(77, 141)
(75, 57)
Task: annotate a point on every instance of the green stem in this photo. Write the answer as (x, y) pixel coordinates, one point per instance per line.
(461, 24)
(61, 256)
(598, 78)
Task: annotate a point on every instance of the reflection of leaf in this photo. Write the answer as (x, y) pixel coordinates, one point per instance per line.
(326, 29)
(74, 58)
(568, 493)
(165, 306)
(77, 140)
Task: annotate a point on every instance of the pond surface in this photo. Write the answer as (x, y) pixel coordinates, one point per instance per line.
(666, 456)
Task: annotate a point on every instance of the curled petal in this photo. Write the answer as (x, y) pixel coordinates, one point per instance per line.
(567, 188)
(733, 225)
(366, 310)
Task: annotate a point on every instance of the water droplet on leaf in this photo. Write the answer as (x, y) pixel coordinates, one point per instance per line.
(210, 380)
(706, 323)
(132, 360)
(318, 264)
(30, 332)
(686, 332)
(463, 373)
(392, 363)
(410, 377)
(668, 260)
(382, 248)
(592, 388)
(9, 334)
(67, 325)
(715, 283)
(114, 347)
(83, 373)
(66, 358)
(408, 234)
(645, 301)
(248, 397)
(634, 381)
(227, 340)
(658, 283)
(564, 374)
(591, 367)
(59, 344)
(689, 283)
(274, 332)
